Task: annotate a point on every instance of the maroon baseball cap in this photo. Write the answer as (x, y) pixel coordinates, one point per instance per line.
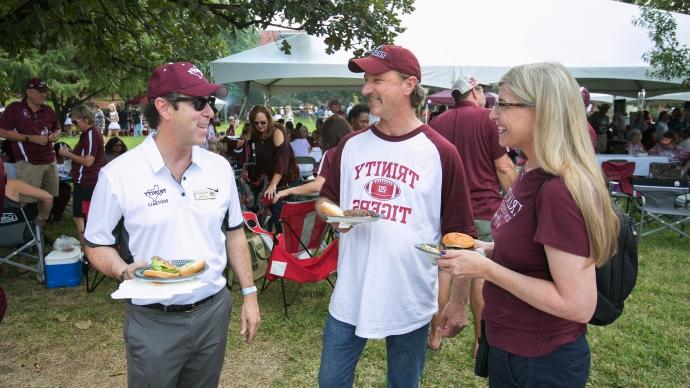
(184, 78)
(36, 83)
(387, 57)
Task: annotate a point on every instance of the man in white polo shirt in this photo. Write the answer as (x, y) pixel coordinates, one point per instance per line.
(177, 201)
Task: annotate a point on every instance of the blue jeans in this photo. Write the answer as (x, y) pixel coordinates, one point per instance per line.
(342, 348)
(567, 366)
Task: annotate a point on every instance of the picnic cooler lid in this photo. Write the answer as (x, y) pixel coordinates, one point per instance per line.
(57, 257)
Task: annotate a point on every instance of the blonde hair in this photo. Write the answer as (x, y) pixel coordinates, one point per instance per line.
(562, 147)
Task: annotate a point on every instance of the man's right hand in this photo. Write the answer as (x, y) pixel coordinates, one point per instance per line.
(452, 319)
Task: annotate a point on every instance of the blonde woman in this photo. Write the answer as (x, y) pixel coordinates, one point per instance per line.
(114, 118)
(555, 225)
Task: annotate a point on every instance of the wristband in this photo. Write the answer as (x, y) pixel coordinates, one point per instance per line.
(122, 275)
(248, 290)
(26, 139)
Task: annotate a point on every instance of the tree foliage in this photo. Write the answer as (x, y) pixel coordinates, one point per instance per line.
(102, 47)
(669, 58)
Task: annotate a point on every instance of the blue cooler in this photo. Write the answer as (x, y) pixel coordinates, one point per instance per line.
(63, 268)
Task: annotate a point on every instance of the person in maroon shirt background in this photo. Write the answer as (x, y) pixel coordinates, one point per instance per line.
(555, 224)
(32, 126)
(87, 160)
(488, 167)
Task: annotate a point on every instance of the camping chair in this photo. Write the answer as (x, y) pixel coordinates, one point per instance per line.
(619, 176)
(659, 203)
(298, 254)
(665, 170)
(306, 167)
(19, 230)
(260, 243)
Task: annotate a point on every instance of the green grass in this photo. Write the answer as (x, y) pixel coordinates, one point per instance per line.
(66, 337)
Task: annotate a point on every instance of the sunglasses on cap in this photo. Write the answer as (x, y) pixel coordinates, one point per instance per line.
(199, 103)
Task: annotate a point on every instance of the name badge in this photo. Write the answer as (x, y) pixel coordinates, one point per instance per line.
(202, 195)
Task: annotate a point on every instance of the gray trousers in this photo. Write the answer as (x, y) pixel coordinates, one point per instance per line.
(184, 349)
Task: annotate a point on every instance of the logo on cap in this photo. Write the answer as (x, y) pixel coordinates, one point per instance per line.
(378, 52)
(195, 72)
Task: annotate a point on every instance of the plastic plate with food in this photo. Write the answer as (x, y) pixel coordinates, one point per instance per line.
(347, 218)
(173, 271)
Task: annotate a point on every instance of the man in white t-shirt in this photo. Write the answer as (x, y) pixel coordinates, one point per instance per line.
(177, 201)
(414, 178)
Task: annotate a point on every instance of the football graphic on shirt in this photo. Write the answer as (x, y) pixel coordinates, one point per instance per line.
(382, 189)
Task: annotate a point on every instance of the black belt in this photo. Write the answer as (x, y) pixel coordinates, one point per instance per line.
(177, 308)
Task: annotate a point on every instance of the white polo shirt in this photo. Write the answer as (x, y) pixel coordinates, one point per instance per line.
(165, 218)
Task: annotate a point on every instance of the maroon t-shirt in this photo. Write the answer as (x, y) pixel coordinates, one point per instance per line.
(274, 160)
(20, 118)
(475, 136)
(90, 143)
(529, 218)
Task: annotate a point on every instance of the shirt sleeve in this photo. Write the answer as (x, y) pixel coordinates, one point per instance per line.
(100, 230)
(331, 188)
(559, 221)
(233, 217)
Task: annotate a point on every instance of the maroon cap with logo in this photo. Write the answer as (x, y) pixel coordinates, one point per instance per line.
(184, 78)
(387, 57)
(36, 83)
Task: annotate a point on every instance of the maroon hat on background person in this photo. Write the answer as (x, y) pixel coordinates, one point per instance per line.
(387, 57)
(36, 83)
(183, 78)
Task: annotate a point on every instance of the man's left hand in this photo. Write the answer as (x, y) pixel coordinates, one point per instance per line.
(250, 318)
(54, 136)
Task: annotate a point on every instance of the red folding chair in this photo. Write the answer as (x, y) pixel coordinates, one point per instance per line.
(298, 254)
(619, 175)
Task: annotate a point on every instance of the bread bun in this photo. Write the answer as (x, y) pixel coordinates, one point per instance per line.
(193, 267)
(152, 273)
(359, 213)
(331, 209)
(456, 240)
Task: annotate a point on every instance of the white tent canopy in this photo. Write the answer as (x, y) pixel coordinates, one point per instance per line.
(595, 39)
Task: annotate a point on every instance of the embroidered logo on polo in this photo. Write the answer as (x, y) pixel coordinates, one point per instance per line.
(195, 72)
(378, 53)
(154, 195)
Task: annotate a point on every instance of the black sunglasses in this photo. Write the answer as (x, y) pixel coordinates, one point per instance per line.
(199, 103)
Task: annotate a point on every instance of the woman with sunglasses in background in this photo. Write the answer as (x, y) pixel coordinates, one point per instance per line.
(275, 162)
(554, 226)
(87, 160)
(114, 148)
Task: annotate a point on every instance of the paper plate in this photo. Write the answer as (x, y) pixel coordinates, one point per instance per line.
(345, 222)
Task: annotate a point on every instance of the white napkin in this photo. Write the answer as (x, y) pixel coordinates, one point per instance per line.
(141, 289)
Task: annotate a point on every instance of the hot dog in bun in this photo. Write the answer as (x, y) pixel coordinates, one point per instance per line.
(160, 268)
(331, 209)
(456, 240)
